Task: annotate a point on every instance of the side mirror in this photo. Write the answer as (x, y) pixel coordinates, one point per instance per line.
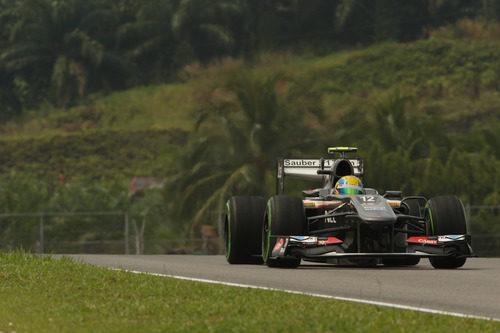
(393, 195)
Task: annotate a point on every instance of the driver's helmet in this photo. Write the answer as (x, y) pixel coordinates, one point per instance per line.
(349, 185)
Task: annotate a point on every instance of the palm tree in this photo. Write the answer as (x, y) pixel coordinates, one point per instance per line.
(147, 39)
(376, 20)
(10, 105)
(62, 44)
(203, 28)
(236, 143)
(395, 123)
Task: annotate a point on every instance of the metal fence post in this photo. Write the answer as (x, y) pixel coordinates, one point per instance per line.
(127, 251)
(42, 250)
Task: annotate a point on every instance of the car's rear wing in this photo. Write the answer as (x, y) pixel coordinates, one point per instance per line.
(307, 169)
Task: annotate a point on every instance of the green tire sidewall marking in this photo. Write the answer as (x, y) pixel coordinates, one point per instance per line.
(465, 217)
(430, 216)
(228, 230)
(268, 236)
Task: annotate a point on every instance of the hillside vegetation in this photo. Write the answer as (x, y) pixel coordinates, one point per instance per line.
(424, 114)
(455, 81)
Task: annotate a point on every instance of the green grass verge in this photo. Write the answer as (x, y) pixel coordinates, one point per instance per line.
(49, 295)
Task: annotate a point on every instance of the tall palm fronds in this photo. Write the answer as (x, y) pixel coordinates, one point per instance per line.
(10, 105)
(395, 123)
(147, 38)
(63, 43)
(238, 139)
(204, 28)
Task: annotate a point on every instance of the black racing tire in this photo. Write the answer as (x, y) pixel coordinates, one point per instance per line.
(445, 215)
(398, 262)
(285, 216)
(413, 206)
(447, 263)
(400, 238)
(243, 229)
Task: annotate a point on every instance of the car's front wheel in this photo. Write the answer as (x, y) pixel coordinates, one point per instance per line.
(445, 215)
(285, 216)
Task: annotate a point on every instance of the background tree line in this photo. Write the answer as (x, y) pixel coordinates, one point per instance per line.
(62, 51)
(423, 110)
(239, 136)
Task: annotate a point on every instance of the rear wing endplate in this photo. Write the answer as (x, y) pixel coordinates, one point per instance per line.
(306, 169)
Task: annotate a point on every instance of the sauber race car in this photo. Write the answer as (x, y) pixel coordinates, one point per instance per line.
(343, 222)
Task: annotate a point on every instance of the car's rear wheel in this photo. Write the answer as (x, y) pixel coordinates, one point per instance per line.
(413, 206)
(285, 216)
(242, 229)
(445, 215)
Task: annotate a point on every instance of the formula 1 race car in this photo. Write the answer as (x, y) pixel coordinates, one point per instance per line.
(350, 224)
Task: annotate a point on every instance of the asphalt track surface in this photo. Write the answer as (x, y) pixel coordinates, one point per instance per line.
(472, 290)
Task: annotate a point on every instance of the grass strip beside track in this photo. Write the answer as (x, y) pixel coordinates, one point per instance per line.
(42, 294)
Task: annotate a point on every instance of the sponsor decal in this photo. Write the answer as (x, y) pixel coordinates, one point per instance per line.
(279, 244)
(451, 238)
(321, 204)
(422, 240)
(315, 163)
(301, 163)
(330, 220)
(329, 240)
(329, 203)
(374, 208)
(304, 239)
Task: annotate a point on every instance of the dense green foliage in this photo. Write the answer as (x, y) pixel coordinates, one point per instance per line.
(42, 294)
(62, 51)
(222, 88)
(420, 122)
(81, 233)
(102, 155)
(424, 131)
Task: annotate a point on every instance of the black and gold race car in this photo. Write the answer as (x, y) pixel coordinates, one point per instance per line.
(343, 222)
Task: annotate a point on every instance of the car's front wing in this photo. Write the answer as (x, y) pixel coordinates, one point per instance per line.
(317, 248)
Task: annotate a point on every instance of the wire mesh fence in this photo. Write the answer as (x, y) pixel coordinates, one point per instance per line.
(46, 232)
(94, 233)
(113, 233)
(484, 225)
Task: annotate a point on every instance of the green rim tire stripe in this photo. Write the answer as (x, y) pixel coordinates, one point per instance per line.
(228, 230)
(430, 215)
(269, 230)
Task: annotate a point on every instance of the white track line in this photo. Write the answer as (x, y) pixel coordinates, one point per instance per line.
(339, 298)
